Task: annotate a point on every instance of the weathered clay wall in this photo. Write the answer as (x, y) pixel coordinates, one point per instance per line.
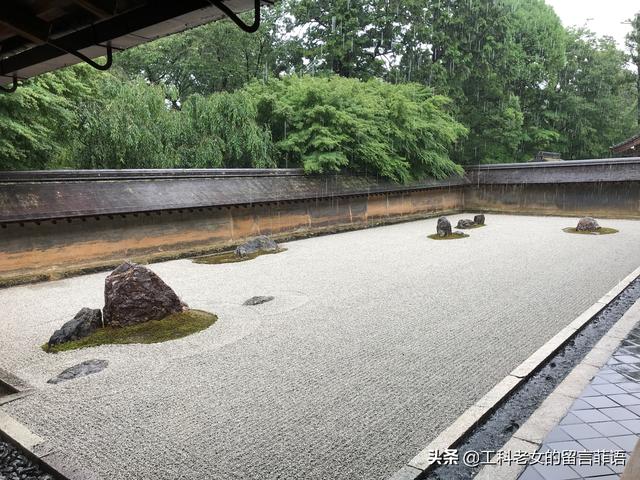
(59, 223)
(53, 248)
(605, 200)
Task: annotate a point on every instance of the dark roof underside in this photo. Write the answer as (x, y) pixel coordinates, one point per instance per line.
(35, 34)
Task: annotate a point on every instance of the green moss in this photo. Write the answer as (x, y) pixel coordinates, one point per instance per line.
(600, 231)
(174, 326)
(475, 226)
(453, 236)
(231, 257)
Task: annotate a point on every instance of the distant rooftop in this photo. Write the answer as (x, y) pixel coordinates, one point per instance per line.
(628, 147)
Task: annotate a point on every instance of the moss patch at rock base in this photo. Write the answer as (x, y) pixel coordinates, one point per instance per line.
(231, 257)
(477, 225)
(453, 236)
(600, 231)
(174, 326)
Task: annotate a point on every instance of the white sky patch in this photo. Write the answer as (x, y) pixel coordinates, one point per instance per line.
(604, 17)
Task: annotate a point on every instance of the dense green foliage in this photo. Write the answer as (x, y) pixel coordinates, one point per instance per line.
(328, 124)
(321, 124)
(397, 88)
(592, 114)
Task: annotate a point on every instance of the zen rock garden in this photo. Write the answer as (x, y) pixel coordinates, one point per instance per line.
(255, 247)
(139, 308)
(445, 232)
(590, 226)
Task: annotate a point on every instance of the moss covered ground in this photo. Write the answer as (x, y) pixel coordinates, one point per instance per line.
(231, 257)
(452, 236)
(174, 326)
(600, 231)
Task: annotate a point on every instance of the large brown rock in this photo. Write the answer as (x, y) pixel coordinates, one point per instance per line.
(134, 294)
(587, 224)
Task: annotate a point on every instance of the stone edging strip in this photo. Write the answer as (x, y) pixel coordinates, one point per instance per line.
(530, 436)
(32, 445)
(38, 450)
(454, 434)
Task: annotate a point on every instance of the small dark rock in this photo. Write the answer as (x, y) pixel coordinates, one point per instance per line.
(83, 324)
(255, 245)
(258, 300)
(587, 224)
(444, 227)
(87, 367)
(478, 219)
(465, 223)
(134, 294)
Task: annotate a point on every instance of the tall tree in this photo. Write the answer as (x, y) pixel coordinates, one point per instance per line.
(590, 105)
(211, 58)
(39, 120)
(633, 44)
(539, 55)
(351, 38)
(465, 50)
(329, 124)
(126, 125)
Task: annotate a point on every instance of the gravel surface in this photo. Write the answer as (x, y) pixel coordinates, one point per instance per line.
(376, 341)
(15, 466)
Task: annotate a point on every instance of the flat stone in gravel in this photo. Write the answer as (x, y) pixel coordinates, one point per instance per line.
(258, 300)
(87, 367)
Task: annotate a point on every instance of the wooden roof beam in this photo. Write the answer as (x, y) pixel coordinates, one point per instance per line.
(99, 8)
(25, 25)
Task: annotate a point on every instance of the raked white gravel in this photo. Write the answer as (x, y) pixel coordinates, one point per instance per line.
(376, 341)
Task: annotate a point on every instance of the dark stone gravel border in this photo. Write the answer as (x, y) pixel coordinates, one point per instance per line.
(14, 465)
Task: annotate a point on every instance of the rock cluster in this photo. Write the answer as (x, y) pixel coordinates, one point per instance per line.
(587, 224)
(443, 228)
(468, 223)
(465, 223)
(256, 245)
(132, 294)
